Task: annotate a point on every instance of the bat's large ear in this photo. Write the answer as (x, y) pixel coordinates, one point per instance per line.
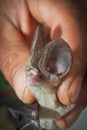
(56, 59)
(36, 49)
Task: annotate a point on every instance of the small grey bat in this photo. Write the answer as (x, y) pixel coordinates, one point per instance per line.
(48, 64)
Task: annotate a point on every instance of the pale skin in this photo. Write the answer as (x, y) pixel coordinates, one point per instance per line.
(66, 19)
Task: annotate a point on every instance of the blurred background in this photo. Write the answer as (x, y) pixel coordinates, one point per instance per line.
(9, 99)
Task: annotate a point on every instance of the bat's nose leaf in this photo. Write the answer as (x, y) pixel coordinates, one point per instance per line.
(56, 58)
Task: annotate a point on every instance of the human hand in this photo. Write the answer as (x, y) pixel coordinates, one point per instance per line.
(18, 22)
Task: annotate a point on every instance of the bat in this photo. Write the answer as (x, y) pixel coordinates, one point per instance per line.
(48, 64)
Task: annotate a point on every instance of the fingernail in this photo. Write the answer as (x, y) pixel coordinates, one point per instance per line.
(75, 88)
(65, 85)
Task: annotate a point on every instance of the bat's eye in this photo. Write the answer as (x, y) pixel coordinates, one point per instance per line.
(56, 59)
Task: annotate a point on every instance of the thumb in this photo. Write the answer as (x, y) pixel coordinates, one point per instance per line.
(14, 52)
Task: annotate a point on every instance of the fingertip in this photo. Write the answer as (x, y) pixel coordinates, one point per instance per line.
(69, 119)
(24, 94)
(62, 91)
(19, 86)
(69, 90)
(61, 123)
(64, 98)
(28, 96)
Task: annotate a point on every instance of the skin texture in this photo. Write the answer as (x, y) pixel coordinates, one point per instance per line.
(65, 19)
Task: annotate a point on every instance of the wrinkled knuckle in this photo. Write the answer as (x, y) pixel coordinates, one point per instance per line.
(8, 64)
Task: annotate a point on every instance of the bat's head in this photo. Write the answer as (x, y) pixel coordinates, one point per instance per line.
(50, 62)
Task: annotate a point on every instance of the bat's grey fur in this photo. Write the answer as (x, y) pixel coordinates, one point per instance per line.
(44, 84)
